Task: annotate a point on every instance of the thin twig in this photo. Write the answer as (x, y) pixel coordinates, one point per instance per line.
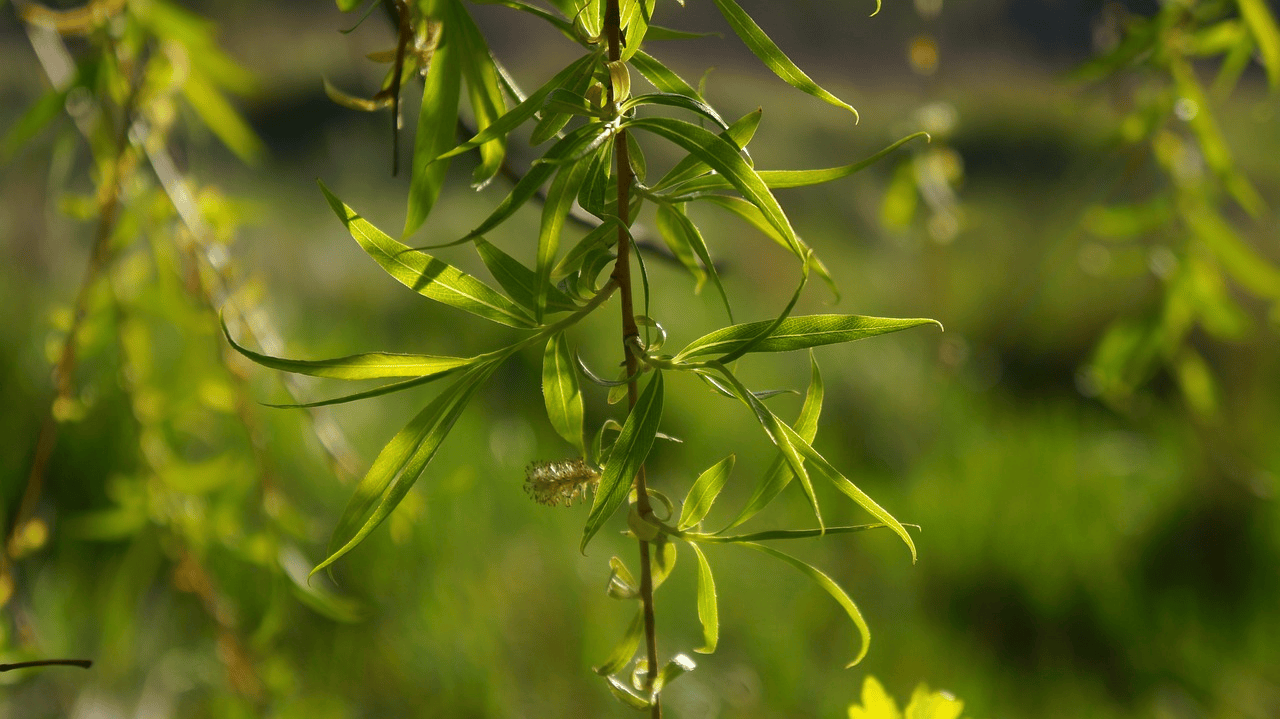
(622, 275)
(82, 663)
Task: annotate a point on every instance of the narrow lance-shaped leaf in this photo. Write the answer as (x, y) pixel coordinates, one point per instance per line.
(627, 456)
(827, 584)
(538, 173)
(437, 121)
(824, 469)
(797, 333)
(704, 491)
(560, 197)
(561, 392)
(753, 215)
(684, 239)
(721, 156)
(483, 89)
(708, 608)
(777, 432)
(398, 465)
(369, 365)
(624, 649)
(782, 179)
(427, 275)
(773, 57)
(739, 133)
(519, 281)
(1262, 25)
(779, 474)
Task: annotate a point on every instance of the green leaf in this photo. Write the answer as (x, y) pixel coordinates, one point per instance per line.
(600, 239)
(370, 365)
(679, 664)
(1263, 27)
(348, 5)
(753, 215)
(721, 156)
(634, 16)
(681, 102)
(323, 600)
(685, 241)
(561, 392)
(773, 57)
(627, 695)
(785, 534)
(662, 77)
(437, 122)
(426, 275)
(797, 333)
(824, 468)
(520, 281)
(739, 133)
(778, 432)
(782, 179)
(398, 465)
(483, 89)
(625, 648)
(704, 491)
(528, 186)
(779, 474)
(831, 588)
(621, 584)
(559, 202)
(40, 114)
(222, 118)
(708, 608)
(627, 456)
(366, 394)
(522, 112)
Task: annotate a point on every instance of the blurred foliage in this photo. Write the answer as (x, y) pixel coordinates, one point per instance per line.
(1177, 205)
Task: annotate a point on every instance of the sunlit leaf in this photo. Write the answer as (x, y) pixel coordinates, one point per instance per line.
(519, 281)
(831, 588)
(369, 365)
(779, 474)
(561, 392)
(797, 333)
(436, 122)
(400, 462)
(721, 156)
(781, 179)
(704, 491)
(682, 102)
(627, 456)
(555, 208)
(739, 133)
(773, 57)
(624, 649)
(425, 274)
(708, 607)
(483, 89)
(1263, 27)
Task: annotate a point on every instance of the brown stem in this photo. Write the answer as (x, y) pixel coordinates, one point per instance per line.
(622, 276)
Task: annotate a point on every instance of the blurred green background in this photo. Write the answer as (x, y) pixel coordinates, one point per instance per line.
(1076, 559)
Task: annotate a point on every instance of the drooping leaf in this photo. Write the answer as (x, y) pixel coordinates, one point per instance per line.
(624, 649)
(773, 57)
(779, 474)
(627, 456)
(782, 179)
(634, 17)
(721, 156)
(662, 77)
(218, 114)
(679, 665)
(786, 534)
(369, 365)
(1262, 25)
(519, 281)
(437, 120)
(686, 243)
(704, 491)
(483, 89)
(40, 114)
(427, 275)
(365, 394)
(797, 333)
(559, 201)
(400, 462)
(739, 133)
(708, 607)
(681, 102)
(560, 390)
(753, 215)
(830, 587)
(528, 186)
